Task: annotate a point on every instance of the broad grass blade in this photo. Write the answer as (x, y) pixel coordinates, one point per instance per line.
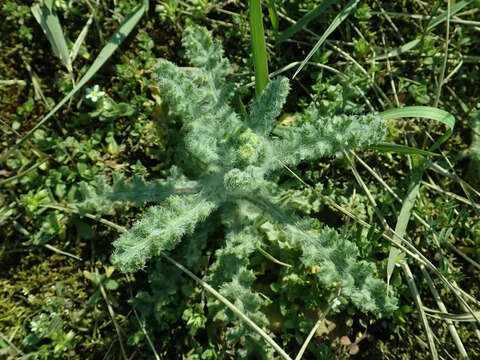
(50, 24)
(113, 44)
(424, 112)
(259, 47)
(335, 23)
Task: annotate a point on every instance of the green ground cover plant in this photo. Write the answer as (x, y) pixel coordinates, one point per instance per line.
(312, 221)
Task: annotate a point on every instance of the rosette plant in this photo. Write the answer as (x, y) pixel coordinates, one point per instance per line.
(224, 182)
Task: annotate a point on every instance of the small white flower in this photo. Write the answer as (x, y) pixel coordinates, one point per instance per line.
(400, 260)
(34, 325)
(95, 93)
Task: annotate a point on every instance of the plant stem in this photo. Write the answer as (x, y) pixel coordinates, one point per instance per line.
(258, 46)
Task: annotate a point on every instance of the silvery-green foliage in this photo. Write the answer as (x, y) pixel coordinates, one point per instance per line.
(319, 135)
(101, 197)
(233, 159)
(231, 275)
(161, 228)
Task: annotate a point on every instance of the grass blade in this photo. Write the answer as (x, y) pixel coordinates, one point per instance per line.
(113, 44)
(52, 29)
(305, 20)
(258, 46)
(272, 12)
(451, 327)
(37, 89)
(398, 51)
(335, 23)
(466, 317)
(414, 111)
(271, 258)
(395, 255)
(387, 147)
(76, 47)
(424, 112)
